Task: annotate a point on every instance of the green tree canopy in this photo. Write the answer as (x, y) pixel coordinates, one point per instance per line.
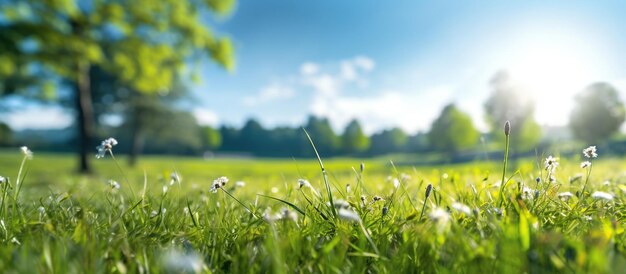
(508, 103)
(6, 134)
(144, 43)
(324, 138)
(353, 139)
(211, 137)
(597, 114)
(389, 141)
(453, 130)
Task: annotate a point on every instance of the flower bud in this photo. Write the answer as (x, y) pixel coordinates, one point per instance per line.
(428, 189)
(507, 128)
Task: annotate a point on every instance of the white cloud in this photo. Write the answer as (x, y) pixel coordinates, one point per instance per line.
(270, 93)
(330, 84)
(309, 68)
(410, 112)
(40, 117)
(206, 117)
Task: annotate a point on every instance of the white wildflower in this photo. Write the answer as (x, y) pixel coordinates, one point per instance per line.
(153, 214)
(174, 178)
(404, 177)
(114, 185)
(461, 208)
(27, 153)
(445, 176)
(165, 188)
(590, 152)
(176, 261)
(602, 195)
(585, 164)
(348, 215)
(396, 183)
(240, 184)
(565, 195)
(274, 190)
(441, 217)
(42, 210)
(3, 180)
(105, 146)
(527, 193)
(218, 183)
(551, 163)
(339, 203)
(303, 183)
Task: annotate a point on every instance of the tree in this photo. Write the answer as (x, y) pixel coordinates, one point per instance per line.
(211, 137)
(252, 137)
(142, 113)
(6, 134)
(353, 139)
(598, 113)
(508, 103)
(323, 136)
(453, 130)
(144, 43)
(389, 141)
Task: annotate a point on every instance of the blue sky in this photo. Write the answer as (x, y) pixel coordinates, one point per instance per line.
(396, 63)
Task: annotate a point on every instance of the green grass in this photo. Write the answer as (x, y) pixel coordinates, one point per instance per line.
(65, 223)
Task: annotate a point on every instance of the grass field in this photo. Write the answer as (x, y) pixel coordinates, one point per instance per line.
(60, 222)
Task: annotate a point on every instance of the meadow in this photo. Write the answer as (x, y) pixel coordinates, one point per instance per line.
(191, 215)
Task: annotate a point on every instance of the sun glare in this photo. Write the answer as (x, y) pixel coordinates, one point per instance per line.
(551, 69)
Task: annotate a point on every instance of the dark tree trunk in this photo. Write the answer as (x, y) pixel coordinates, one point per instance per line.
(84, 108)
(136, 145)
(137, 134)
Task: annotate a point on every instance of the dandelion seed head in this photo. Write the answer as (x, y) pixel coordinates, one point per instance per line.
(590, 152)
(26, 152)
(105, 146)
